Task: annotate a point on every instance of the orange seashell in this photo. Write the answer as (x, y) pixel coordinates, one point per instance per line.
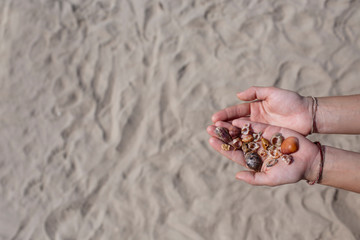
(290, 145)
(247, 138)
(265, 143)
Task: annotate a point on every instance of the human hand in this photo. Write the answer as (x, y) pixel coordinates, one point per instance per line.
(304, 163)
(275, 106)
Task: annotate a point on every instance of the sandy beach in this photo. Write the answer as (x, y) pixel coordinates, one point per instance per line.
(104, 106)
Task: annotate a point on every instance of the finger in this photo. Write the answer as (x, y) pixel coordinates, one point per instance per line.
(255, 93)
(235, 156)
(254, 178)
(230, 113)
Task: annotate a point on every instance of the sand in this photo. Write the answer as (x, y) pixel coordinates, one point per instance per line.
(104, 107)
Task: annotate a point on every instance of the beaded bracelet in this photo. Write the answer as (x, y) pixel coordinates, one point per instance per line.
(321, 165)
(314, 110)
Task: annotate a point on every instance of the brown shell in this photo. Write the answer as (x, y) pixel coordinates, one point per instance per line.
(253, 161)
(223, 134)
(265, 143)
(245, 148)
(290, 145)
(247, 138)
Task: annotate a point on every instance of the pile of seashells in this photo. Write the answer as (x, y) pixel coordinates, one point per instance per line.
(260, 153)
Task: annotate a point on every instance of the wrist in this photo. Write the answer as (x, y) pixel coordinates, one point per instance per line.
(309, 102)
(314, 170)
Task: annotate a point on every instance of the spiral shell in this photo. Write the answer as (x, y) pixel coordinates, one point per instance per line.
(223, 134)
(253, 161)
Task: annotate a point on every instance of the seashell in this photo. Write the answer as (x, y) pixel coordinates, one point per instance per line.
(225, 147)
(223, 134)
(257, 136)
(277, 139)
(245, 148)
(247, 138)
(263, 153)
(272, 162)
(286, 158)
(253, 146)
(265, 143)
(234, 131)
(253, 161)
(236, 143)
(245, 129)
(290, 145)
(274, 152)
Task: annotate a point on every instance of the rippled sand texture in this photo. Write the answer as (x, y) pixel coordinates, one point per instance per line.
(104, 106)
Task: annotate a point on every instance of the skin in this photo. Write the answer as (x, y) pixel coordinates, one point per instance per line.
(281, 173)
(294, 118)
(295, 112)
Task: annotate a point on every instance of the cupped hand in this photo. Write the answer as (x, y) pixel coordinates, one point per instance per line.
(302, 167)
(274, 106)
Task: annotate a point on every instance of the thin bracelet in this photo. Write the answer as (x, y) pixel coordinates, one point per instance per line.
(321, 165)
(314, 110)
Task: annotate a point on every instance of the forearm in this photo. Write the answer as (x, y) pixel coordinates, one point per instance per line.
(339, 114)
(341, 169)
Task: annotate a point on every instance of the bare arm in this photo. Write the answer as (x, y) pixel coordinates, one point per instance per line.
(339, 114)
(341, 169)
(284, 108)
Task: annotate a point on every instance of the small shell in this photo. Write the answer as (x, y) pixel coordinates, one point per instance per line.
(272, 162)
(245, 148)
(236, 143)
(263, 153)
(253, 146)
(265, 143)
(277, 139)
(234, 131)
(247, 138)
(268, 163)
(253, 161)
(225, 147)
(257, 136)
(245, 129)
(290, 145)
(274, 152)
(286, 158)
(223, 134)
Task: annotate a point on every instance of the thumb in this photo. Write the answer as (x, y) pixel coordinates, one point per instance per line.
(253, 178)
(255, 93)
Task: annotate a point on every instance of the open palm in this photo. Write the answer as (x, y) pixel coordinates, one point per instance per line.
(274, 106)
(279, 174)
